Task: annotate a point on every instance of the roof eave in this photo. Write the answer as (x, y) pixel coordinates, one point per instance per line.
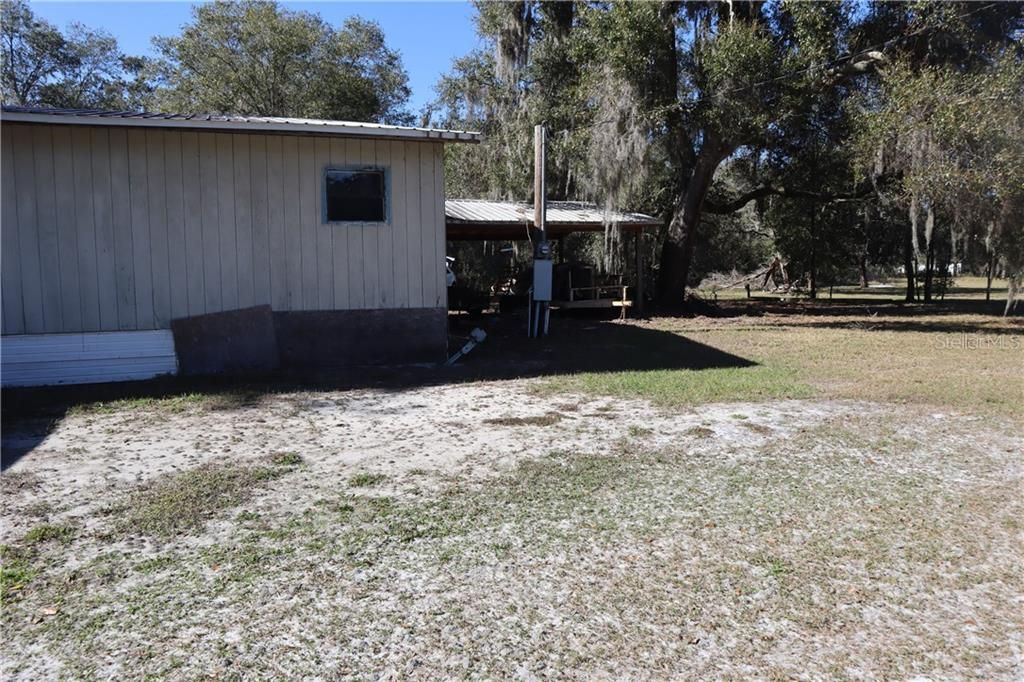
(411, 134)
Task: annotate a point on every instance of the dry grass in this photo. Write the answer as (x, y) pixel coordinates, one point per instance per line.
(963, 288)
(878, 545)
(869, 529)
(181, 503)
(965, 362)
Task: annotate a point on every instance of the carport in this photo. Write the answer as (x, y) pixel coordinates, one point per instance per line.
(481, 220)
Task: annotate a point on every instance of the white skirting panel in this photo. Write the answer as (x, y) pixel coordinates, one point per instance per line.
(97, 357)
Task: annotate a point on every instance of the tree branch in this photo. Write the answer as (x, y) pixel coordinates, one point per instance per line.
(735, 204)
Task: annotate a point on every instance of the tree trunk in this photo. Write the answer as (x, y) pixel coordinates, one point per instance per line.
(681, 236)
(862, 262)
(909, 266)
(988, 277)
(929, 271)
(814, 251)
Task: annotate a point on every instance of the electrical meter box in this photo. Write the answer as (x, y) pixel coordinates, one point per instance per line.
(542, 270)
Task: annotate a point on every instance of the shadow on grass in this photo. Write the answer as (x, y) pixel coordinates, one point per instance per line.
(870, 313)
(577, 344)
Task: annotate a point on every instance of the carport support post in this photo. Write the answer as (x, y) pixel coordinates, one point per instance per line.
(539, 205)
(540, 296)
(638, 248)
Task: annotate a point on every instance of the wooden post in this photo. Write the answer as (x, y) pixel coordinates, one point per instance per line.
(539, 189)
(638, 248)
(542, 249)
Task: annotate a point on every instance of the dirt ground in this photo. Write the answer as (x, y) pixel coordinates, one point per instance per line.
(491, 530)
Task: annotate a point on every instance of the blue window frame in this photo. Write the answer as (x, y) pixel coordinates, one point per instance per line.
(355, 195)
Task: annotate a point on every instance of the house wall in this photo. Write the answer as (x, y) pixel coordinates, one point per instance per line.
(47, 359)
(116, 229)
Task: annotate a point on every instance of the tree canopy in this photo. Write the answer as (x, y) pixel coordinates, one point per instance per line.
(758, 110)
(248, 57)
(82, 68)
(255, 57)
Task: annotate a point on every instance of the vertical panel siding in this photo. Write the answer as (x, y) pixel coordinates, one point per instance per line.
(226, 229)
(292, 221)
(309, 222)
(27, 228)
(156, 190)
(208, 193)
(108, 229)
(440, 250)
(10, 248)
(243, 222)
(371, 237)
(260, 228)
(142, 247)
(386, 234)
(414, 225)
(194, 267)
(63, 191)
(46, 229)
(85, 228)
(103, 217)
(324, 234)
(427, 225)
(176, 241)
(354, 244)
(340, 240)
(399, 226)
(121, 212)
(277, 250)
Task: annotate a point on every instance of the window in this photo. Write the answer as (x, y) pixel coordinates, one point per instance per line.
(355, 195)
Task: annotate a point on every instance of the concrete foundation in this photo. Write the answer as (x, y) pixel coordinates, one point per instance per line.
(338, 338)
(233, 342)
(259, 340)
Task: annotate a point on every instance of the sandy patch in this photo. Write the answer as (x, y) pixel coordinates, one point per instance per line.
(615, 540)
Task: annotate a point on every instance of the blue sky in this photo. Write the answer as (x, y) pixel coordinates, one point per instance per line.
(427, 34)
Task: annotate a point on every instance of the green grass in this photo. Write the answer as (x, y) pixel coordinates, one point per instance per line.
(15, 575)
(674, 387)
(46, 532)
(16, 571)
(184, 502)
(211, 402)
(539, 420)
(155, 564)
(365, 479)
(287, 459)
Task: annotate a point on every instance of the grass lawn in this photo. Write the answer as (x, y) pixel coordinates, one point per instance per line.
(792, 490)
(955, 361)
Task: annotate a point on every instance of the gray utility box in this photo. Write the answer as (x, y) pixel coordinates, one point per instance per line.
(542, 280)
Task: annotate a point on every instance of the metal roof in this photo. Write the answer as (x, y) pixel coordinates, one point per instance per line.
(558, 212)
(473, 219)
(231, 122)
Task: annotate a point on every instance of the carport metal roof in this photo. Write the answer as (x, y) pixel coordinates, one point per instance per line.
(476, 219)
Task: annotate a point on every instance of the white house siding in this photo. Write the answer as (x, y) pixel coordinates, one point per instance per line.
(50, 359)
(108, 228)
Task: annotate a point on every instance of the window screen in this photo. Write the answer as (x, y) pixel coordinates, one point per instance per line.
(355, 195)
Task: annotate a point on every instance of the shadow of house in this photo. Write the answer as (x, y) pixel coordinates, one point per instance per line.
(578, 344)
